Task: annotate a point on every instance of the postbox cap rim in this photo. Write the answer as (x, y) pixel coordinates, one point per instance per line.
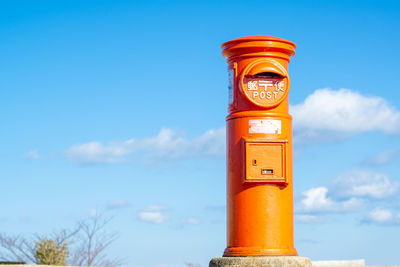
(258, 38)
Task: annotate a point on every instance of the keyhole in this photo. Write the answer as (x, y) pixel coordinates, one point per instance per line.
(254, 162)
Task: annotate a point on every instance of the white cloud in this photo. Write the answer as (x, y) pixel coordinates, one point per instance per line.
(382, 216)
(363, 183)
(95, 152)
(306, 218)
(153, 214)
(331, 113)
(383, 158)
(317, 200)
(156, 208)
(168, 144)
(191, 221)
(32, 155)
(117, 204)
(351, 191)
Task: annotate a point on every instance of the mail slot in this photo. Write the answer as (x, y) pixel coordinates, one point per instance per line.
(259, 147)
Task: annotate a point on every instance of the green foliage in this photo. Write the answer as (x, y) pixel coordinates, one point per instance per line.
(49, 252)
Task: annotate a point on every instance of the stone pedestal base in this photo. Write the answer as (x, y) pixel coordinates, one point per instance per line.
(270, 261)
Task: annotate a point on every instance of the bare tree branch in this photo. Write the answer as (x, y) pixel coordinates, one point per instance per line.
(16, 249)
(93, 241)
(87, 244)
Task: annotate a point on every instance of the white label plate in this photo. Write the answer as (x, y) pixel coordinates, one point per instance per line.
(265, 126)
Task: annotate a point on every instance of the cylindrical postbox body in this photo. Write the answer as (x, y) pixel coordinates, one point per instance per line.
(259, 148)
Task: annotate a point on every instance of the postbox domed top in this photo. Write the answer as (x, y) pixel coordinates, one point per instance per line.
(258, 45)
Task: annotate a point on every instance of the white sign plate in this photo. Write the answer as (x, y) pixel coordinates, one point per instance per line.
(265, 126)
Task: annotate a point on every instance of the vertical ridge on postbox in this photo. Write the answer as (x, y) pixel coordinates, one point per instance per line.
(259, 148)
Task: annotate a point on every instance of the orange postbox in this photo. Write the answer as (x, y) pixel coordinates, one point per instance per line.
(259, 148)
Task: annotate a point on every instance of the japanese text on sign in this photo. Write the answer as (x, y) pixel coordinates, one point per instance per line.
(265, 89)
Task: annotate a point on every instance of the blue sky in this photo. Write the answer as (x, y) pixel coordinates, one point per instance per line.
(119, 107)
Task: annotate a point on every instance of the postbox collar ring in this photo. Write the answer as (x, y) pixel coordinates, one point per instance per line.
(265, 83)
(258, 45)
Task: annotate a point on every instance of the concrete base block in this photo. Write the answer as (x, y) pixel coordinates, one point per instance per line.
(270, 261)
